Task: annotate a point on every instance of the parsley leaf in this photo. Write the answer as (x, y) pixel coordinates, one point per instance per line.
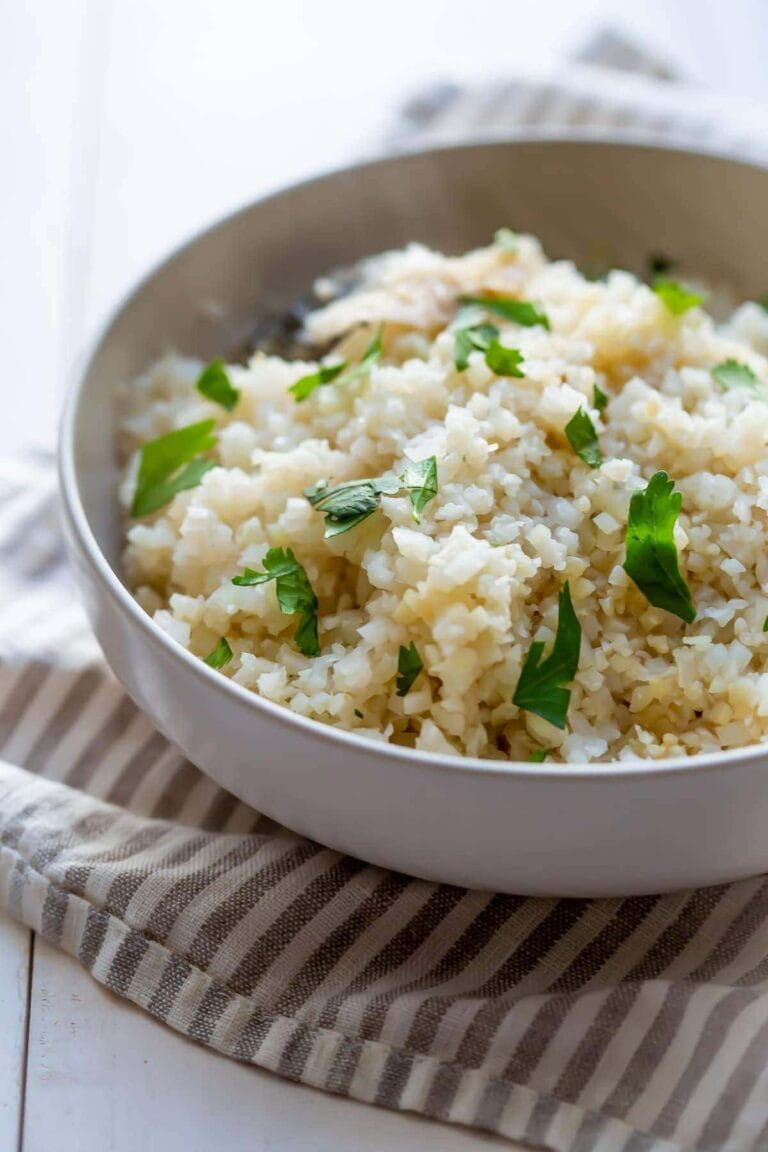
(420, 478)
(221, 655)
(651, 560)
(473, 336)
(215, 384)
(294, 594)
(304, 387)
(349, 504)
(326, 374)
(505, 238)
(520, 311)
(539, 756)
(599, 399)
(541, 688)
(503, 361)
(171, 464)
(731, 374)
(582, 437)
(409, 665)
(676, 298)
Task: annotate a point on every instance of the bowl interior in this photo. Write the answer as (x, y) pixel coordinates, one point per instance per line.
(604, 203)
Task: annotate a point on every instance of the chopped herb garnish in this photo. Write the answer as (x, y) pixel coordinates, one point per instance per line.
(420, 478)
(409, 665)
(520, 311)
(469, 338)
(763, 302)
(659, 265)
(599, 399)
(215, 385)
(348, 505)
(171, 464)
(651, 560)
(582, 437)
(676, 298)
(294, 594)
(358, 713)
(541, 688)
(505, 238)
(221, 655)
(539, 756)
(731, 374)
(503, 361)
(304, 387)
(765, 624)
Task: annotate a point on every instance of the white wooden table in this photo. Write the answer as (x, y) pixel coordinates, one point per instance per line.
(125, 124)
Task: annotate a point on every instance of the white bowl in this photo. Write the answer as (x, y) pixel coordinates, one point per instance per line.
(606, 829)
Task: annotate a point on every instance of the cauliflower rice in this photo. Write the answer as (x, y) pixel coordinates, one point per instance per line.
(516, 515)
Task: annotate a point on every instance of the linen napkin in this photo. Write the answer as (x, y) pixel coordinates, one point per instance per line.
(578, 1025)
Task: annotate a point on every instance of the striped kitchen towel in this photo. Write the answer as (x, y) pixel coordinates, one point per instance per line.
(638, 1025)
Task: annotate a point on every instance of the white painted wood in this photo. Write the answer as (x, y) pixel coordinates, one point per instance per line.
(104, 1077)
(14, 971)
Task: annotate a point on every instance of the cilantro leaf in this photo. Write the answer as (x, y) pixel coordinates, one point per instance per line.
(731, 374)
(171, 464)
(520, 311)
(420, 478)
(294, 594)
(503, 361)
(221, 655)
(469, 338)
(215, 385)
(342, 373)
(676, 298)
(599, 399)
(304, 387)
(539, 756)
(651, 561)
(541, 688)
(349, 504)
(409, 665)
(582, 437)
(505, 238)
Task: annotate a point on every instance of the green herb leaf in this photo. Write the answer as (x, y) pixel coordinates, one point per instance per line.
(541, 688)
(731, 374)
(583, 439)
(168, 465)
(420, 478)
(763, 302)
(520, 311)
(473, 336)
(651, 560)
(409, 665)
(599, 399)
(676, 298)
(304, 387)
(347, 505)
(341, 373)
(215, 385)
(765, 624)
(539, 756)
(358, 713)
(505, 238)
(294, 594)
(503, 361)
(221, 655)
(659, 265)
